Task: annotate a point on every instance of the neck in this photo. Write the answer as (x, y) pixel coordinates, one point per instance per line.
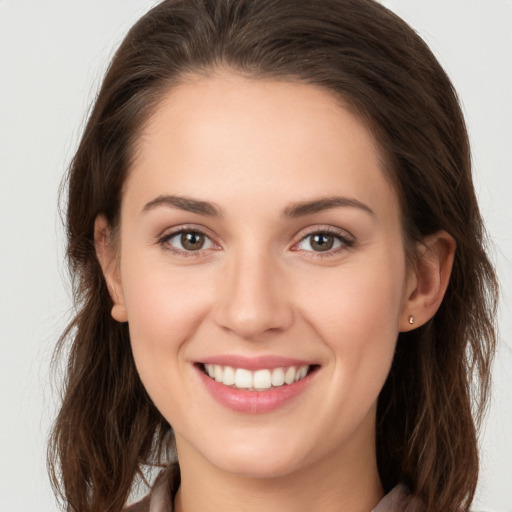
(339, 482)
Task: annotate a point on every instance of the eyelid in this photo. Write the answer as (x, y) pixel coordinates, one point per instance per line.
(199, 228)
(345, 237)
(347, 240)
(170, 233)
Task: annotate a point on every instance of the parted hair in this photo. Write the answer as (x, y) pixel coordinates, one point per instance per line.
(432, 403)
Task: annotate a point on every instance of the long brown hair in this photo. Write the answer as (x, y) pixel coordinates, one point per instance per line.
(431, 405)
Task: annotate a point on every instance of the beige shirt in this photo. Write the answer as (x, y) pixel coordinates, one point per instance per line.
(161, 497)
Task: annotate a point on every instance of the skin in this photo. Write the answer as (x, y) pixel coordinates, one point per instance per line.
(254, 149)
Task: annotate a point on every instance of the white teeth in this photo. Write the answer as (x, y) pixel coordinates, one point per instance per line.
(243, 378)
(258, 380)
(229, 376)
(278, 377)
(290, 375)
(210, 369)
(262, 379)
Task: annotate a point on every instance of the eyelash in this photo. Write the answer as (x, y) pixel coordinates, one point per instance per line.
(164, 242)
(345, 241)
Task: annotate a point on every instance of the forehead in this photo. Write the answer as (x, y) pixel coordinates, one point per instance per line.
(232, 136)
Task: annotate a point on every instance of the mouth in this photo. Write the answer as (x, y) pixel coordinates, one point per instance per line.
(261, 380)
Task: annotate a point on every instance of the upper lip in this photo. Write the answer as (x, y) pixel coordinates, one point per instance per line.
(255, 363)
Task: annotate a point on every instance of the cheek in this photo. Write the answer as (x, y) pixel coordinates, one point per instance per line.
(165, 308)
(356, 310)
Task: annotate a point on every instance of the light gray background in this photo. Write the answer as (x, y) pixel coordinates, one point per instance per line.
(52, 56)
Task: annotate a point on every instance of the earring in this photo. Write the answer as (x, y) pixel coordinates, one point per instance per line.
(411, 319)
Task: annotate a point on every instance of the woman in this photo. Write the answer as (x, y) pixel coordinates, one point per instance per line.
(280, 268)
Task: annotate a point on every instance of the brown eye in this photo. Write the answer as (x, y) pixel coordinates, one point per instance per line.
(192, 241)
(186, 242)
(322, 242)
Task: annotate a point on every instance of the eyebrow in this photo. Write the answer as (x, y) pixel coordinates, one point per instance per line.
(184, 203)
(294, 210)
(325, 203)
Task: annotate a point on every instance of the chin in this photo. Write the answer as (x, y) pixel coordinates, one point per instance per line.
(258, 469)
(257, 461)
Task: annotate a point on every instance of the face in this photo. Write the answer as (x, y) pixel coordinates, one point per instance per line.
(260, 242)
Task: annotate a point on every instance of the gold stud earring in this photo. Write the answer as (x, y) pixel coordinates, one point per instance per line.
(411, 319)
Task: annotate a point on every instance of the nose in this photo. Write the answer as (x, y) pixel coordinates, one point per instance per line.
(254, 297)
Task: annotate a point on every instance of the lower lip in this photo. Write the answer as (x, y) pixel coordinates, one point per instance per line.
(255, 402)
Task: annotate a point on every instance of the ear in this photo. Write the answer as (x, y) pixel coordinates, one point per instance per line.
(428, 280)
(109, 262)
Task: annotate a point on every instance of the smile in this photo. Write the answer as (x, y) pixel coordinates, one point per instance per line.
(269, 385)
(259, 380)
